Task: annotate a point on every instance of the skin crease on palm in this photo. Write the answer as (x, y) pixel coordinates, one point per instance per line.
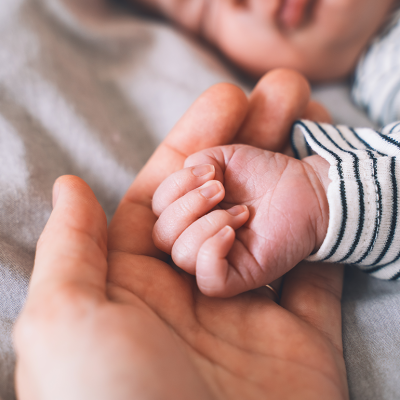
(273, 234)
(322, 39)
(107, 318)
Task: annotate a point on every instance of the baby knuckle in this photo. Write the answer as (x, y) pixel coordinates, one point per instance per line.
(162, 238)
(185, 208)
(184, 257)
(180, 254)
(213, 220)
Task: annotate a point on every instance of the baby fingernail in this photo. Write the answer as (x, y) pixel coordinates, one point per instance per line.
(201, 170)
(237, 210)
(224, 231)
(210, 191)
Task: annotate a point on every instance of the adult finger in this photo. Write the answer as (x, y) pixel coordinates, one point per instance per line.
(313, 292)
(316, 112)
(72, 250)
(212, 120)
(280, 98)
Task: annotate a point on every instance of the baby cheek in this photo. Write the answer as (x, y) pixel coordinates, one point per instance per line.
(351, 20)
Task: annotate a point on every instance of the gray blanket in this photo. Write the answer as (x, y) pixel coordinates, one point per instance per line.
(90, 90)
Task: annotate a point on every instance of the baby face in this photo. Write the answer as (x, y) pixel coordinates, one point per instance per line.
(320, 38)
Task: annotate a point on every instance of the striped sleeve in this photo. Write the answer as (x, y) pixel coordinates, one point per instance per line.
(363, 196)
(376, 85)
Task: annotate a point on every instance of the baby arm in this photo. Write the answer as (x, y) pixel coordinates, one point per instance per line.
(283, 196)
(239, 217)
(363, 195)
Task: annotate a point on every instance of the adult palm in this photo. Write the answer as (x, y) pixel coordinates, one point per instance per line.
(120, 323)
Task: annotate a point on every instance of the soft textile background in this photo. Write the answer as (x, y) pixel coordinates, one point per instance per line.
(89, 90)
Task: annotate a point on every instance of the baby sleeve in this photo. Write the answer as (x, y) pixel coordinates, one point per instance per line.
(376, 85)
(363, 196)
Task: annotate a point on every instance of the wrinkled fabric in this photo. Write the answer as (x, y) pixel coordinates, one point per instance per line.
(90, 90)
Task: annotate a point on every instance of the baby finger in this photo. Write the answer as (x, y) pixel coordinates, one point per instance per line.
(180, 183)
(185, 249)
(184, 212)
(212, 266)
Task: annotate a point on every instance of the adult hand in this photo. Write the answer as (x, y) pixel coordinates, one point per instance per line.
(122, 324)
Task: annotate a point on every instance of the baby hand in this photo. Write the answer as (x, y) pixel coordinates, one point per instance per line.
(276, 204)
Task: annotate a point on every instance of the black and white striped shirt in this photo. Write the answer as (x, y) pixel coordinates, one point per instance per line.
(364, 201)
(377, 77)
(363, 196)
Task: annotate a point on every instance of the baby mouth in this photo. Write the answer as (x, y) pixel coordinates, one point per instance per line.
(294, 13)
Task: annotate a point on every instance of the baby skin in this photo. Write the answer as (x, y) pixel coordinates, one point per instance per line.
(239, 217)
